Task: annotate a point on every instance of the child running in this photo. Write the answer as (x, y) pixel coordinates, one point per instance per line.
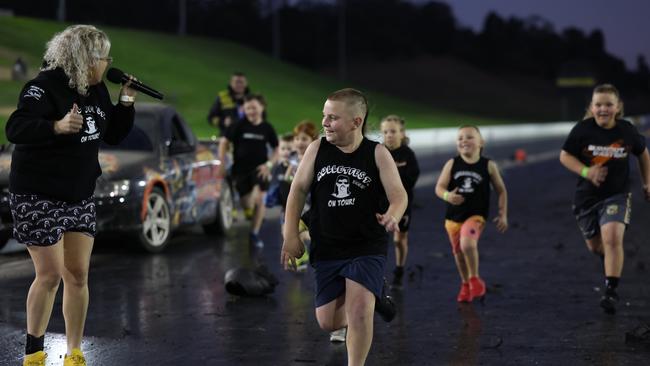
(598, 149)
(392, 127)
(347, 175)
(304, 133)
(464, 184)
(251, 138)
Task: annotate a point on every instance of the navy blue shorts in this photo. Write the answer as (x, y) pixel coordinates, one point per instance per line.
(616, 208)
(330, 276)
(42, 222)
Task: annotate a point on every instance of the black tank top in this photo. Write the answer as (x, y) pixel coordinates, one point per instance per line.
(345, 195)
(473, 182)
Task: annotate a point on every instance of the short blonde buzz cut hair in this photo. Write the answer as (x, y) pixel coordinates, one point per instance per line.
(355, 100)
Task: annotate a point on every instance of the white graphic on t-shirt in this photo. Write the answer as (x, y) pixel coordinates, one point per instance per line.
(342, 188)
(91, 125)
(34, 92)
(342, 192)
(470, 180)
(467, 184)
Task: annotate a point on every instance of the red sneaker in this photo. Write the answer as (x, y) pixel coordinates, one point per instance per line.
(464, 295)
(476, 287)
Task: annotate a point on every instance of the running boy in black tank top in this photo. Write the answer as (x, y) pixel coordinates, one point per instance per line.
(347, 176)
(464, 184)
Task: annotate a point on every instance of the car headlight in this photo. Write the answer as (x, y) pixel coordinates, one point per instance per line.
(118, 188)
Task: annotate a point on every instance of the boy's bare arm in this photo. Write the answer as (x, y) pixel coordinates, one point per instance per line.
(644, 169)
(596, 174)
(392, 183)
(499, 187)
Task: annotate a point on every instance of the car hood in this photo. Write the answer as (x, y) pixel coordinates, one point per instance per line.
(115, 165)
(125, 164)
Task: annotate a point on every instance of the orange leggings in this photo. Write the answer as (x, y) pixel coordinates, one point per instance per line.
(471, 228)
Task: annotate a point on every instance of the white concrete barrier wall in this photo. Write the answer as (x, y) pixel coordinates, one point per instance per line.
(435, 139)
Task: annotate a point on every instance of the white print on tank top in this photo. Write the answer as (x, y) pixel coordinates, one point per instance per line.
(345, 179)
(470, 180)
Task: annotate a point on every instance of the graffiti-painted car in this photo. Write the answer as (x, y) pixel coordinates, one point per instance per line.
(158, 179)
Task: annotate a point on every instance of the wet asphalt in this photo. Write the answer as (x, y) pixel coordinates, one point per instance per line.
(541, 307)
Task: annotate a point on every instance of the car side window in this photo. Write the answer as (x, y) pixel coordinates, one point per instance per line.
(181, 142)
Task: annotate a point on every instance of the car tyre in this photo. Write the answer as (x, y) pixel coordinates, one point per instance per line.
(155, 233)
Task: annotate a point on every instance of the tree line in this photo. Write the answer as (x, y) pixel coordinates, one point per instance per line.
(308, 33)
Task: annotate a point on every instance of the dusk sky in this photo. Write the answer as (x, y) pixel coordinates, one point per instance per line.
(625, 23)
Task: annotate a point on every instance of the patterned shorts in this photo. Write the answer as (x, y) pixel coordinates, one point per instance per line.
(42, 222)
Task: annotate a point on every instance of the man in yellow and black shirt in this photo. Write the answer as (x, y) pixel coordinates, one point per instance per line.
(227, 107)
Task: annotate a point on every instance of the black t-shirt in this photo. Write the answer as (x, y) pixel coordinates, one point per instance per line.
(62, 167)
(592, 144)
(346, 193)
(250, 145)
(473, 183)
(407, 166)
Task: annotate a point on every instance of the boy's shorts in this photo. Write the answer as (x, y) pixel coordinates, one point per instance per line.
(616, 208)
(245, 183)
(42, 222)
(330, 276)
(471, 228)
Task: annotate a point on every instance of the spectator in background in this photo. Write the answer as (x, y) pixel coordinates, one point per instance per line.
(228, 107)
(19, 70)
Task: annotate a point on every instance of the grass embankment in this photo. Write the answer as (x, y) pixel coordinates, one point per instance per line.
(191, 70)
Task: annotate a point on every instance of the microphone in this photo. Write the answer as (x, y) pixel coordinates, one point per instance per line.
(118, 77)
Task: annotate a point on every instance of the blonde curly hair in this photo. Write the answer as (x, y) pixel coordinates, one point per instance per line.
(76, 50)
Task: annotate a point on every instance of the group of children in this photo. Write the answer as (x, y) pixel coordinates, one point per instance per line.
(342, 192)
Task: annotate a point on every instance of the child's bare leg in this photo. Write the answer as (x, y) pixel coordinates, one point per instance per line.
(359, 309)
(612, 237)
(469, 247)
(331, 316)
(595, 245)
(401, 248)
(259, 207)
(461, 265)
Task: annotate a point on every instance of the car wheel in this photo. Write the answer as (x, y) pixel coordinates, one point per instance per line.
(223, 218)
(156, 226)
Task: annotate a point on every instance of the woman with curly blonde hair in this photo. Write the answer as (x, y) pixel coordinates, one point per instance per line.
(62, 116)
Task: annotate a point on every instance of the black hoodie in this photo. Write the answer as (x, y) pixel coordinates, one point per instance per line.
(61, 167)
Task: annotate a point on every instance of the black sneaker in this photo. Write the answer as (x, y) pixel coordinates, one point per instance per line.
(398, 274)
(609, 300)
(384, 305)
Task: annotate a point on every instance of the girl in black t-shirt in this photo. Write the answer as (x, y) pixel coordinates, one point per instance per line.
(392, 128)
(347, 175)
(598, 150)
(251, 138)
(464, 184)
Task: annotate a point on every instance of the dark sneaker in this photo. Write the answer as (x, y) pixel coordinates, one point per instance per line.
(608, 301)
(384, 306)
(398, 274)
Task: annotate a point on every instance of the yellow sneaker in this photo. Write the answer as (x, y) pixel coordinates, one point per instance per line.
(303, 262)
(75, 359)
(35, 359)
(248, 213)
